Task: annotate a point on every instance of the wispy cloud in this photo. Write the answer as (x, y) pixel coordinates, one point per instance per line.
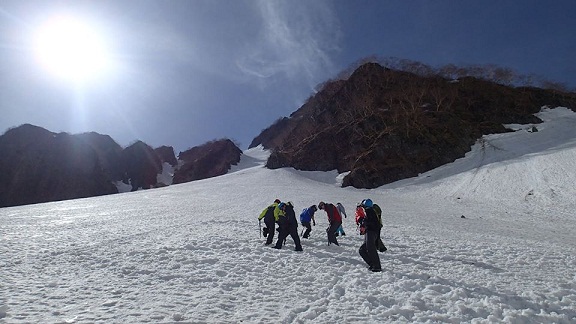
(296, 41)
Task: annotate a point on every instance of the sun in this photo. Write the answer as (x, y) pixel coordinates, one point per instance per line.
(71, 49)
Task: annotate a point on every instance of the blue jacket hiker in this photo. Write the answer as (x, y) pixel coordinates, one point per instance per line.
(306, 216)
(288, 226)
(270, 215)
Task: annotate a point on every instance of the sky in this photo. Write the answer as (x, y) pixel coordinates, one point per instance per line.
(488, 238)
(181, 73)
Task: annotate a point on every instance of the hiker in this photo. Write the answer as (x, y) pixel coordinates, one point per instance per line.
(270, 215)
(334, 219)
(342, 211)
(306, 216)
(361, 214)
(288, 226)
(368, 250)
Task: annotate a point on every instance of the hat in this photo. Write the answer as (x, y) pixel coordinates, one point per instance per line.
(277, 201)
(367, 202)
(321, 205)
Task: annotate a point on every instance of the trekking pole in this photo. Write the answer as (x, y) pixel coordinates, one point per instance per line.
(260, 228)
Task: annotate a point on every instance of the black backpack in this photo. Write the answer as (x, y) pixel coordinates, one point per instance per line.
(269, 213)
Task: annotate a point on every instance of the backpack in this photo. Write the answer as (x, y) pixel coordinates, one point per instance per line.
(290, 216)
(360, 216)
(378, 211)
(269, 213)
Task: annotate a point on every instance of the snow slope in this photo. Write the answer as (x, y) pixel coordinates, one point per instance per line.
(191, 253)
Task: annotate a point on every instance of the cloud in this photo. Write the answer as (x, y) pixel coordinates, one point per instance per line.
(296, 41)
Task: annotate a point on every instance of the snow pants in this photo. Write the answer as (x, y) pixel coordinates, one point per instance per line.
(271, 225)
(293, 232)
(368, 251)
(308, 229)
(331, 232)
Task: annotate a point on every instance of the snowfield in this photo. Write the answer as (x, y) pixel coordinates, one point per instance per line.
(489, 238)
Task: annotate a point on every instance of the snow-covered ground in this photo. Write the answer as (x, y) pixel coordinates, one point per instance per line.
(192, 252)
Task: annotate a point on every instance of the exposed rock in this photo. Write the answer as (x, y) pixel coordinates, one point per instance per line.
(384, 125)
(209, 160)
(166, 154)
(40, 166)
(109, 153)
(142, 165)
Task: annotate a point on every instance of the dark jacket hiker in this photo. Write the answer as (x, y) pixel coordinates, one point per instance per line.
(368, 250)
(270, 215)
(288, 226)
(334, 219)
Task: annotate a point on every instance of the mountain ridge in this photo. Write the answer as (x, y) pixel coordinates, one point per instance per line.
(383, 125)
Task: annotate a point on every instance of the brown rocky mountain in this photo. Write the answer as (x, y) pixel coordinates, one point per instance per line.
(109, 153)
(209, 160)
(41, 166)
(166, 154)
(142, 165)
(37, 165)
(384, 125)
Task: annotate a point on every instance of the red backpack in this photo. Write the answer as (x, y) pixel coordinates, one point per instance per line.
(360, 215)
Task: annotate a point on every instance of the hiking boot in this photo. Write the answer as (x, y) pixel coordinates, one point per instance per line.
(343, 234)
(337, 234)
(376, 270)
(277, 247)
(298, 249)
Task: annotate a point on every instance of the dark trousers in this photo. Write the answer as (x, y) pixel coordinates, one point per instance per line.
(381, 246)
(368, 251)
(331, 231)
(308, 229)
(293, 232)
(271, 225)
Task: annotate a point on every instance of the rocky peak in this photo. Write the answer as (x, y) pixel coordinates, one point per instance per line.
(384, 125)
(40, 166)
(208, 160)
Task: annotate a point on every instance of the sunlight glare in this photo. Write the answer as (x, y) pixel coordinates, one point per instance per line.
(70, 49)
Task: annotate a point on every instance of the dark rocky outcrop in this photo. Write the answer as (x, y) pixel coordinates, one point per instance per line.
(209, 160)
(142, 165)
(166, 154)
(383, 125)
(37, 165)
(40, 166)
(109, 153)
